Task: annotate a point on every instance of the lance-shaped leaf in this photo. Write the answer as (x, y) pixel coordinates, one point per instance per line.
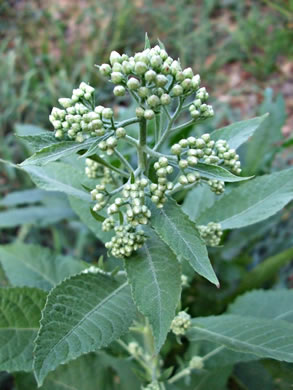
(17, 198)
(154, 275)
(264, 338)
(37, 266)
(58, 177)
(20, 313)
(39, 141)
(182, 236)
(253, 201)
(84, 313)
(274, 304)
(217, 172)
(239, 132)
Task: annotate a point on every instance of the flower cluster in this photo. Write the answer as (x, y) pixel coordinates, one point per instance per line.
(211, 233)
(196, 363)
(198, 108)
(152, 386)
(180, 323)
(126, 240)
(147, 75)
(158, 191)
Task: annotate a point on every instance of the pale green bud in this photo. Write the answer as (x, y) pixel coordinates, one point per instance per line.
(188, 73)
(120, 132)
(143, 92)
(195, 81)
(149, 114)
(183, 143)
(107, 113)
(111, 142)
(177, 90)
(105, 69)
(183, 164)
(176, 149)
(139, 111)
(175, 67)
(119, 90)
(156, 61)
(163, 161)
(59, 134)
(150, 75)
(186, 84)
(165, 99)
(133, 83)
(161, 80)
(127, 67)
(140, 68)
(116, 77)
(115, 57)
(66, 103)
(153, 101)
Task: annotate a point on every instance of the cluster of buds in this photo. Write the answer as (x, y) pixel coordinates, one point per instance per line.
(180, 323)
(211, 233)
(99, 195)
(217, 186)
(145, 75)
(229, 156)
(196, 363)
(109, 145)
(158, 191)
(134, 349)
(94, 170)
(198, 108)
(80, 119)
(127, 239)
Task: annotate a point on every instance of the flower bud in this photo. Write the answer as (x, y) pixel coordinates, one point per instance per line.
(149, 114)
(119, 90)
(139, 111)
(163, 161)
(165, 99)
(107, 113)
(161, 80)
(128, 67)
(115, 57)
(188, 73)
(177, 90)
(150, 75)
(153, 101)
(120, 132)
(143, 92)
(116, 77)
(105, 69)
(195, 81)
(183, 143)
(183, 164)
(156, 61)
(176, 149)
(66, 103)
(133, 83)
(140, 68)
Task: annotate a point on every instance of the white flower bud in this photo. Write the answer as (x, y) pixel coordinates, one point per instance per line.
(153, 101)
(119, 90)
(149, 114)
(183, 164)
(163, 161)
(196, 363)
(195, 81)
(150, 75)
(183, 143)
(66, 103)
(117, 67)
(183, 180)
(133, 83)
(107, 113)
(120, 132)
(111, 142)
(161, 80)
(116, 77)
(140, 67)
(156, 61)
(175, 67)
(188, 73)
(177, 90)
(105, 69)
(59, 134)
(165, 99)
(127, 67)
(115, 57)
(143, 92)
(176, 149)
(139, 111)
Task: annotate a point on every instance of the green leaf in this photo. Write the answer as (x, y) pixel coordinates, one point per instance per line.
(147, 44)
(239, 132)
(29, 129)
(198, 200)
(17, 198)
(217, 172)
(97, 216)
(253, 201)
(182, 236)
(274, 304)
(83, 210)
(154, 275)
(20, 313)
(40, 215)
(56, 151)
(84, 313)
(36, 266)
(261, 149)
(264, 338)
(58, 177)
(213, 379)
(39, 141)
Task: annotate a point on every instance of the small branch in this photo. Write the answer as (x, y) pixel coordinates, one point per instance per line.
(183, 126)
(181, 374)
(127, 122)
(158, 127)
(124, 161)
(152, 153)
(138, 359)
(213, 352)
(167, 112)
(141, 144)
(132, 141)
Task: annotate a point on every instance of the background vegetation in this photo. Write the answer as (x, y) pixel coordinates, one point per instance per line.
(243, 51)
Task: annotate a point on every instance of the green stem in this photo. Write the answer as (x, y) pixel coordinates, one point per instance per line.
(127, 122)
(141, 156)
(167, 130)
(152, 153)
(213, 352)
(138, 359)
(158, 127)
(124, 161)
(183, 126)
(181, 374)
(132, 141)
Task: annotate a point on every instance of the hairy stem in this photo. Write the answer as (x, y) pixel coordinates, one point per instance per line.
(141, 155)
(124, 161)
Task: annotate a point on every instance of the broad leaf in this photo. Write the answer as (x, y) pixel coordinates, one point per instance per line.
(264, 338)
(17, 198)
(82, 314)
(182, 236)
(37, 142)
(216, 172)
(29, 129)
(197, 200)
(20, 313)
(239, 132)
(274, 304)
(154, 275)
(58, 177)
(40, 215)
(36, 266)
(253, 201)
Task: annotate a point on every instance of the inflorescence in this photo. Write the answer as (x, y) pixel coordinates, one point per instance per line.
(155, 81)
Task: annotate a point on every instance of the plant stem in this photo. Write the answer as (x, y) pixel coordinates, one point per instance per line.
(138, 359)
(152, 153)
(213, 352)
(181, 374)
(158, 127)
(127, 122)
(131, 140)
(183, 126)
(141, 156)
(124, 161)
(172, 120)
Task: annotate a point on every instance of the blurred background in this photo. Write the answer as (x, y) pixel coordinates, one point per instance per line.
(243, 50)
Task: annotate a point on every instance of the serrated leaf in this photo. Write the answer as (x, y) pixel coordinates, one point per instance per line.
(57, 177)
(154, 275)
(217, 172)
(198, 200)
(29, 129)
(40, 215)
(20, 313)
(252, 202)
(82, 314)
(82, 209)
(94, 145)
(36, 266)
(56, 151)
(182, 236)
(39, 141)
(263, 338)
(239, 132)
(274, 304)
